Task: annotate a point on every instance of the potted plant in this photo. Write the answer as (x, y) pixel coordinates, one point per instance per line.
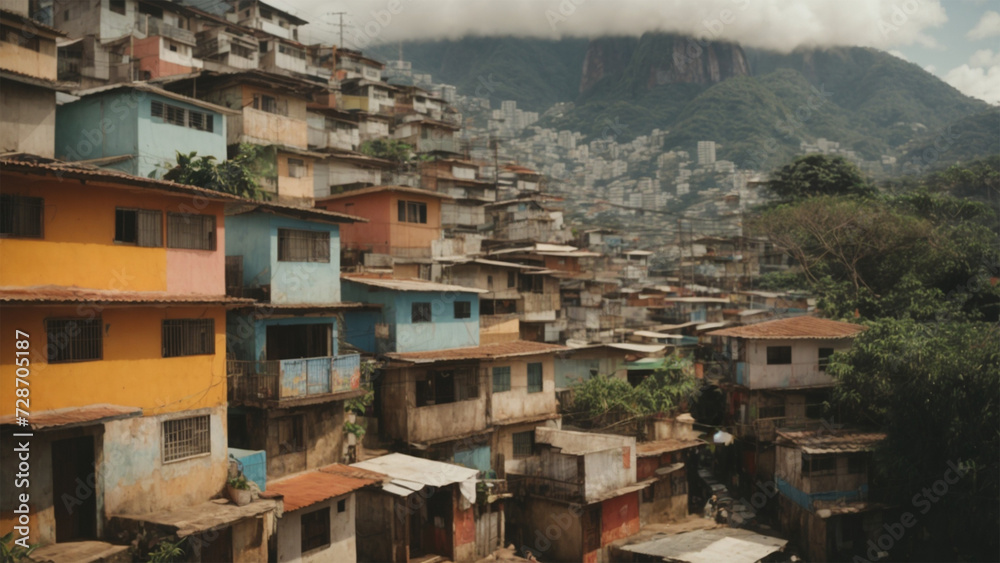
(239, 492)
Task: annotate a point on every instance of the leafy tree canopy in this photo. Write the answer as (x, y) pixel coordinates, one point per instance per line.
(238, 175)
(818, 175)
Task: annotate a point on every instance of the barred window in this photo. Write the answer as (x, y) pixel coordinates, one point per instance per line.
(21, 216)
(501, 379)
(191, 231)
(141, 227)
(201, 121)
(74, 340)
(188, 337)
(315, 528)
(411, 212)
(186, 437)
(535, 378)
(420, 313)
(524, 443)
(179, 116)
(463, 309)
(303, 246)
(297, 168)
(818, 465)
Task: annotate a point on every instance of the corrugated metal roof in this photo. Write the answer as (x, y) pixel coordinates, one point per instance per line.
(643, 348)
(410, 474)
(379, 189)
(407, 284)
(500, 350)
(304, 213)
(830, 441)
(307, 489)
(150, 89)
(793, 328)
(734, 545)
(55, 294)
(74, 416)
(657, 447)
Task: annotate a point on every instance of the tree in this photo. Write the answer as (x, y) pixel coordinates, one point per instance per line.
(818, 175)
(933, 388)
(392, 150)
(238, 175)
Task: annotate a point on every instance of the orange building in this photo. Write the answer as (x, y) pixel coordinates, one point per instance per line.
(114, 287)
(402, 221)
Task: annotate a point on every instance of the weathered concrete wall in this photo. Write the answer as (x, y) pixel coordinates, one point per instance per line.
(551, 530)
(619, 517)
(518, 404)
(136, 479)
(608, 470)
(464, 531)
(802, 372)
(249, 540)
(323, 434)
(29, 119)
(342, 545)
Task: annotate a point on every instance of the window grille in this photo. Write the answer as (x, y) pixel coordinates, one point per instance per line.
(188, 337)
(141, 227)
(524, 444)
(21, 216)
(501, 379)
(303, 246)
(186, 437)
(463, 310)
(74, 340)
(191, 231)
(315, 528)
(411, 212)
(297, 168)
(535, 378)
(420, 313)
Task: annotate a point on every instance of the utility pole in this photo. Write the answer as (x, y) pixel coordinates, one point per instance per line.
(340, 15)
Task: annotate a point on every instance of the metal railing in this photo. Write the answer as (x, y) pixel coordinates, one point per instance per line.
(275, 380)
(570, 491)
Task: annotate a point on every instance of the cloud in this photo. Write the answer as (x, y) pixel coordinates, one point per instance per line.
(979, 78)
(771, 24)
(988, 26)
(930, 68)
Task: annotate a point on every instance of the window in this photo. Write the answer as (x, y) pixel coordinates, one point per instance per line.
(412, 212)
(447, 386)
(266, 103)
(463, 310)
(341, 506)
(297, 168)
(117, 6)
(191, 231)
(24, 39)
(21, 216)
(771, 412)
(524, 443)
(501, 379)
(290, 434)
(303, 246)
(814, 410)
(141, 227)
(291, 52)
(511, 279)
(535, 378)
(420, 313)
(173, 47)
(186, 437)
(188, 337)
(824, 358)
(240, 51)
(74, 340)
(818, 465)
(856, 464)
(315, 529)
(779, 355)
(65, 15)
(263, 49)
(181, 117)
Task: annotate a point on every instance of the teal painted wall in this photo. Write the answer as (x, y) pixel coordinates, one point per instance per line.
(160, 141)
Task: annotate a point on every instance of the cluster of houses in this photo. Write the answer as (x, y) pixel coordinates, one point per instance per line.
(373, 362)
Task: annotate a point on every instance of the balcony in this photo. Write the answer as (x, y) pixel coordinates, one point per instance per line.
(444, 144)
(274, 382)
(544, 487)
(151, 26)
(266, 128)
(765, 429)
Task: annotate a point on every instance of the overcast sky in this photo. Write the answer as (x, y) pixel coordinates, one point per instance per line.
(958, 40)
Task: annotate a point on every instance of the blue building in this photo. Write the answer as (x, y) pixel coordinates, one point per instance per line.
(138, 128)
(415, 315)
(284, 367)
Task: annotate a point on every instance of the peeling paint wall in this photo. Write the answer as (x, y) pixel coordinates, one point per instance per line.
(342, 545)
(517, 403)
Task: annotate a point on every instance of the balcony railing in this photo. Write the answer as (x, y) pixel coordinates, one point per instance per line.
(523, 485)
(151, 27)
(277, 380)
(765, 429)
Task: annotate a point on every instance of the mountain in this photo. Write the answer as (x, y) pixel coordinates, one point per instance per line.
(757, 105)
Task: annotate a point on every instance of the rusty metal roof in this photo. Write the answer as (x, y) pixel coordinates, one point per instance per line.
(74, 416)
(304, 213)
(56, 295)
(830, 441)
(657, 447)
(489, 351)
(405, 284)
(379, 189)
(307, 489)
(793, 328)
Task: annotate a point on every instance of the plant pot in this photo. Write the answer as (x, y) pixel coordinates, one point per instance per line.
(240, 497)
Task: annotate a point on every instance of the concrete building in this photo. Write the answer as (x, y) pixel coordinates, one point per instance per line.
(706, 153)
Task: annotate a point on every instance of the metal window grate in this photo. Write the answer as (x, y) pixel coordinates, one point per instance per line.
(535, 378)
(303, 246)
(186, 437)
(141, 227)
(315, 529)
(501, 379)
(21, 216)
(188, 337)
(463, 309)
(420, 313)
(191, 231)
(524, 443)
(74, 340)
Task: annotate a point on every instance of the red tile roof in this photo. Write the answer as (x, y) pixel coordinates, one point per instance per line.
(75, 416)
(312, 487)
(793, 328)
(830, 441)
(501, 350)
(56, 294)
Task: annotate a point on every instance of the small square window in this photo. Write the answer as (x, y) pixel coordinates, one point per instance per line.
(21, 216)
(824, 358)
(463, 310)
(420, 313)
(341, 506)
(779, 355)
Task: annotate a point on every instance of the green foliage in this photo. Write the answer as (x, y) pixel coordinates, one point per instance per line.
(11, 552)
(353, 428)
(932, 387)
(238, 175)
(389, 149)
(167, 552)
(815, 175)
(604, 401)
(241, 483)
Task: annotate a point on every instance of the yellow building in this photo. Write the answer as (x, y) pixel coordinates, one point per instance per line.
(114, 287)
